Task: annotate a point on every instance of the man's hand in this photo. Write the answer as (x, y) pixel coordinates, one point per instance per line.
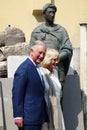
(18, 122)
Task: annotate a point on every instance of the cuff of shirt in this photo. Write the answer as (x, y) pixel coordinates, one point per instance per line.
(18, 118)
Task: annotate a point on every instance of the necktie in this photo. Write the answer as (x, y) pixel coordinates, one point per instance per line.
(41, 76)
(39, 72)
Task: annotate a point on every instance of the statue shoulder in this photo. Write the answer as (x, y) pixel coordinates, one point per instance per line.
(39, 28)
(58, 26)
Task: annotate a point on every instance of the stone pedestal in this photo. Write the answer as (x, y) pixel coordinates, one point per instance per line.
(6, 119)
(13, 63)
(73, 114)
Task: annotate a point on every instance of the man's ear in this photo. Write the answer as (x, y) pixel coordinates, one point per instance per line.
(31, 50)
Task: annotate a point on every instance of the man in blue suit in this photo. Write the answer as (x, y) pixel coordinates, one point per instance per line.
(29, 107)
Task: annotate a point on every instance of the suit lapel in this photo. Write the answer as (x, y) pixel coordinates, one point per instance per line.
(42, 85)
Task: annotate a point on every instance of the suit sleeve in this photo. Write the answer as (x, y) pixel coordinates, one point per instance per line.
(18, 91)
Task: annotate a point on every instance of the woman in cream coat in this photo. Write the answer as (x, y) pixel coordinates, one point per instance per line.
(52, 91)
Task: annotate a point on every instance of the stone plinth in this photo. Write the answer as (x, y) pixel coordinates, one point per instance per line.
(12, 64)
(71, 104)
(6, 121)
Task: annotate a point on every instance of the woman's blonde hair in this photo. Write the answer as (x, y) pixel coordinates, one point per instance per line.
(50, 54)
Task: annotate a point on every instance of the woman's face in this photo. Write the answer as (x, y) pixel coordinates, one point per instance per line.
(53, 63)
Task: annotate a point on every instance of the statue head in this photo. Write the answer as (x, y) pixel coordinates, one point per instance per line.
(48, 5)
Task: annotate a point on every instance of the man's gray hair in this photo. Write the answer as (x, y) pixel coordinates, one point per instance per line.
(36, 43)
(48, 5)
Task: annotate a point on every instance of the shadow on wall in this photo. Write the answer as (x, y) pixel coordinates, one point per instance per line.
(84, 105)
(72, 105)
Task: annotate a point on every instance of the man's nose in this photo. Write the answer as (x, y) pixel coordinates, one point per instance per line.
(42, 55)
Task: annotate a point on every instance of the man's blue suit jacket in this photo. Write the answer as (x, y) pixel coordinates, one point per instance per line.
(28, 95)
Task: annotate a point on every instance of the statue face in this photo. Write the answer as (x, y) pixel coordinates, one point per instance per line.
(50, 14)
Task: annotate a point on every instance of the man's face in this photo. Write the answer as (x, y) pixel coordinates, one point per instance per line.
(38, 54)
(50, 14)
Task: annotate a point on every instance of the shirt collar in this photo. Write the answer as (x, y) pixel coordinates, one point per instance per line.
(32, 60)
